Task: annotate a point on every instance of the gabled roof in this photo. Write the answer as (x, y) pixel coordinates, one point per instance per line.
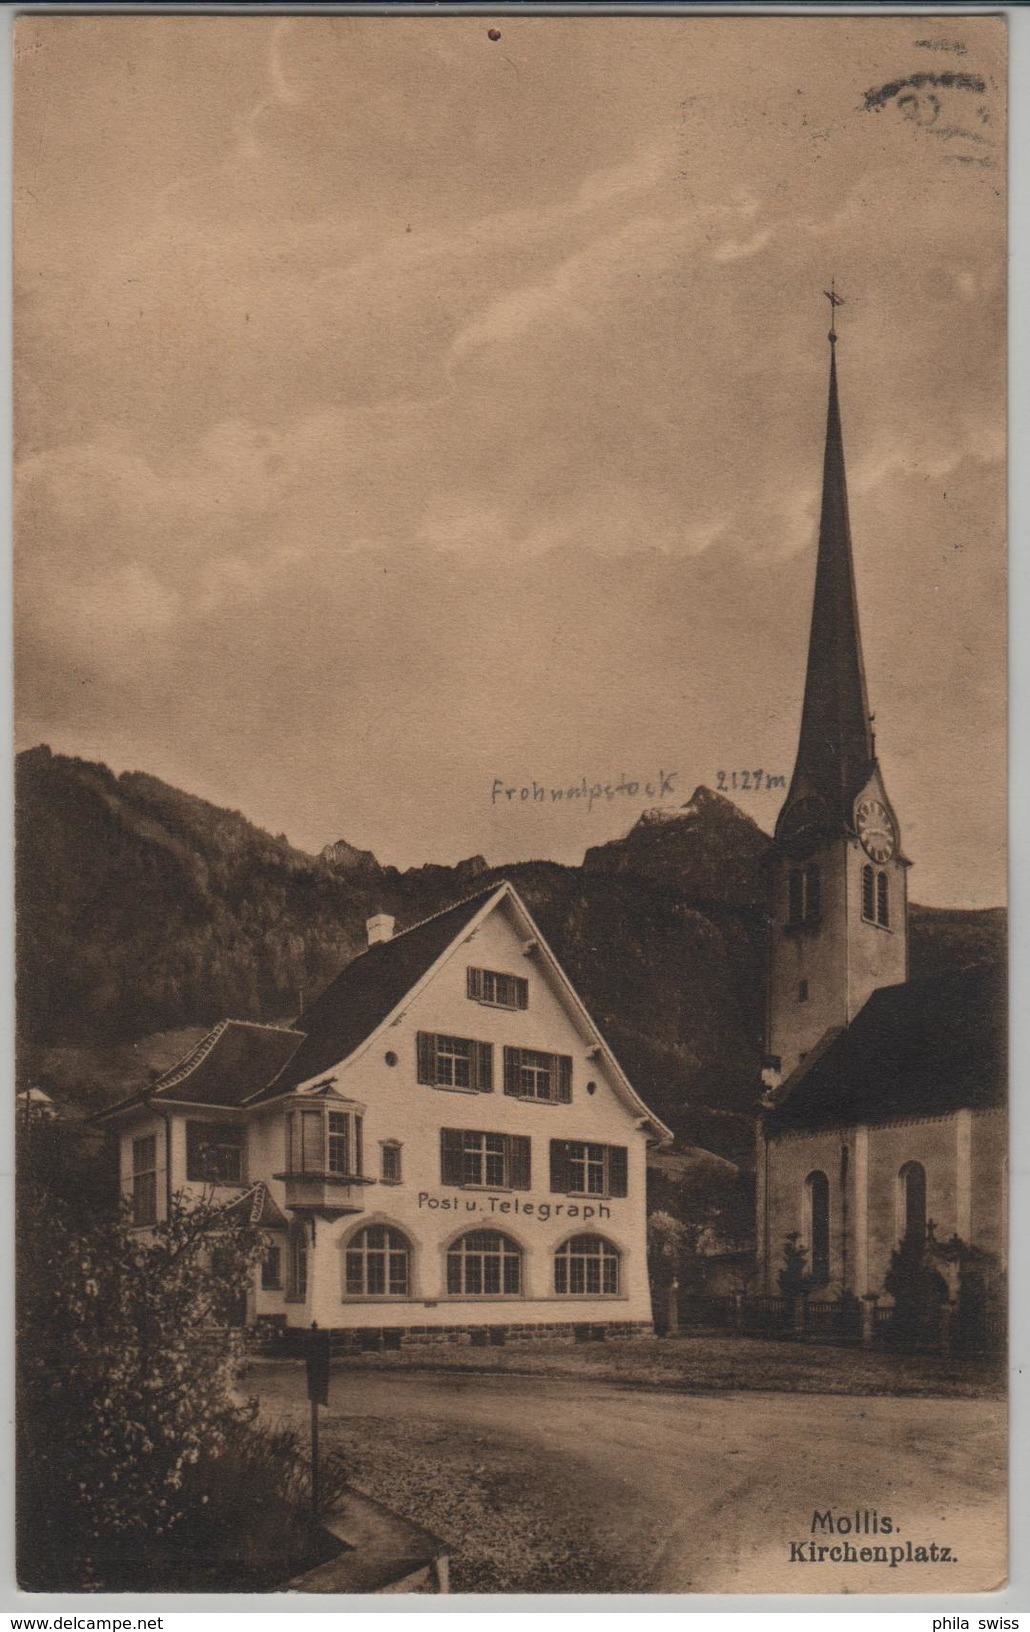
(224, 1068)
(365, 995)
(922, 1049)
(366, 992)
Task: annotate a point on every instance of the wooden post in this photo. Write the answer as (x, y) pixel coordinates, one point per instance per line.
(869, 1303)
(318, 1394)
(672, 1308)
(314, 1458)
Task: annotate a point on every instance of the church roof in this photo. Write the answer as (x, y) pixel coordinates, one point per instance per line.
(835, 748)
(922, 1049)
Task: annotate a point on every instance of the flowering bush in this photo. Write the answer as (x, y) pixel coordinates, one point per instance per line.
(127, 1382)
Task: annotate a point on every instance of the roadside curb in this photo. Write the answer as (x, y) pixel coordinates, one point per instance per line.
(381, 1553)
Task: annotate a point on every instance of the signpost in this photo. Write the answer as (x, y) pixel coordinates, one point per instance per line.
(318, 1394)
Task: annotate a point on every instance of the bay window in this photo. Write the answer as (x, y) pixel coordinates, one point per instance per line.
(323, 1141)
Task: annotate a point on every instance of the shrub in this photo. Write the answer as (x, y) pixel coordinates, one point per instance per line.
(794, 1277)
(918, 1289)
(126, 1386)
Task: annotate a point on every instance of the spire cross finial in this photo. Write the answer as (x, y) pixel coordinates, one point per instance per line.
(835, 300)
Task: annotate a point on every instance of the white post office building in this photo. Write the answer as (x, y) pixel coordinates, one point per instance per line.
(442, 1148)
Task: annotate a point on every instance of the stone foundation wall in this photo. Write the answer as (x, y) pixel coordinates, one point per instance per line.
(371, 1339)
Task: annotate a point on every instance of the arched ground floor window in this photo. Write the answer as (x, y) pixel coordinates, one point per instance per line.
(378, 1263)
(587, 1265)
(482, 1263)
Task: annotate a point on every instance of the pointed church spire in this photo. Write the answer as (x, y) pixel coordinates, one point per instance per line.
(835, 750)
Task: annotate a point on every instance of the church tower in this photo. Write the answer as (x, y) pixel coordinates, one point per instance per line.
(837, 889)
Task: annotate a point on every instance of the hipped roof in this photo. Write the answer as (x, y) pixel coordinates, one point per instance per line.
(227, 1066)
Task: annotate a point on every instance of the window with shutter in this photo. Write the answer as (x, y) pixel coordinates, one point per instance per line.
(512, 1057)
(531, 1074)
(455, 1062)
(426, 1049)
(450, 1155)
(518, 1162)
(883, 910)
(484, 1161)
(565, 1079)
(618, 1170)
(559, 1167)
(499, 990)
(579, 1168)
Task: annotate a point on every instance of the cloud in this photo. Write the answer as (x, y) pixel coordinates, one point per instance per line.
(392, 416)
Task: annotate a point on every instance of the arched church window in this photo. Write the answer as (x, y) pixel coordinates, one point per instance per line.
(883, 905)
(912, 1202)
(868, 895)
(813, 894)
(795, 897)
(817, 1226)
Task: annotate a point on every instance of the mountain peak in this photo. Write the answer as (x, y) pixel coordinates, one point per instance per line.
(348, 858)
(705, 850)
(703, 805)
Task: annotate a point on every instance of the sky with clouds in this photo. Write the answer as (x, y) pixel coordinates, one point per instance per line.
(401, 410)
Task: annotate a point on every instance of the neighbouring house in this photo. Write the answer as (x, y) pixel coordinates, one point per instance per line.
(885, 1106)
(36, 1104)
(442, 1146)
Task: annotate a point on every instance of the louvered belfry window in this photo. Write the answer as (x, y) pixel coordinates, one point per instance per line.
(868, 895)
(531, 1074)
(454, 1062)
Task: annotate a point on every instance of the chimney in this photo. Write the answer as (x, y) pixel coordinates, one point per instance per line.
(380, 928)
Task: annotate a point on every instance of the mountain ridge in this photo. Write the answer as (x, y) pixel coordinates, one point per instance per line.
(144, 910)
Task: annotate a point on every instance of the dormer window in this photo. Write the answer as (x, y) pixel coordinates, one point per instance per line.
(324, 1140)
(500, 990)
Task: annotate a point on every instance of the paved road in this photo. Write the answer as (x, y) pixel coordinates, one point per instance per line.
(705, 1494)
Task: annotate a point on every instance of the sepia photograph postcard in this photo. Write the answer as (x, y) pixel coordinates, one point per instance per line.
(510, 794)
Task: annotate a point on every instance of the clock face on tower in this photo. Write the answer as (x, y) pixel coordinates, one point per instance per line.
(875, 829)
